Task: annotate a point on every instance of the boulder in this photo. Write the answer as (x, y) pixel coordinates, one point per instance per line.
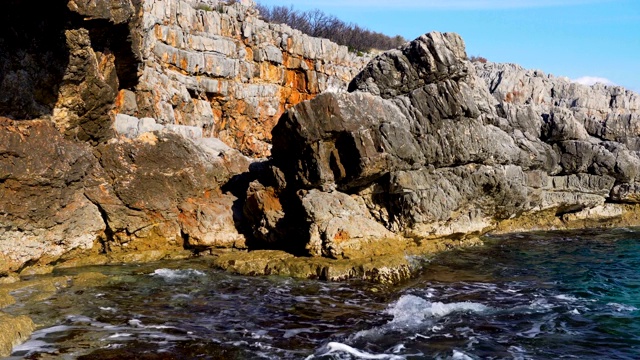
(162, 189)
(61, 198)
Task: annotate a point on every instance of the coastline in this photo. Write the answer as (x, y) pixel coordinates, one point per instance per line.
(261, 138)
(377, 268)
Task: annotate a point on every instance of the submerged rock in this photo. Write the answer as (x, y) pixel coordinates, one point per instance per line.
(13, 331)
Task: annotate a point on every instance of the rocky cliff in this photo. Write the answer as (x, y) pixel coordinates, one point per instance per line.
(223, 69)
(198, 63)
(424, 145)
(126, 126)
(83, 84)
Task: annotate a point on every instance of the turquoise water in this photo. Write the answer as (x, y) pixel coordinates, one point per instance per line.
(526, 296)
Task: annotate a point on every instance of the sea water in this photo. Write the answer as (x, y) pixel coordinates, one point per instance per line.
(546, 295)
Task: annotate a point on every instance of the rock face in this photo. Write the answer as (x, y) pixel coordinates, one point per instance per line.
(44, 211)
(65, 199)
(424, 147)
(223, 69)
(55, 64)
(197, 63)
(109, 111)
(126, 124)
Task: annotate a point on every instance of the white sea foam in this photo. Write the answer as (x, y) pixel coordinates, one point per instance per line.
(622, 307)
(37, 344)
(430, 293)
(336, 347)
(398, 348)
(33, 346)
(120, 335)
(410, 309)
(135, 323)
(566, 297)
(170, 274)
(413, 312)
(459, 355)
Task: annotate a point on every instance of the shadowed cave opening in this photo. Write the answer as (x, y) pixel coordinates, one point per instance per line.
(34, 56)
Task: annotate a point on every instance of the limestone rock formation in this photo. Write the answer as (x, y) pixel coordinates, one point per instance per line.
(158, 191)
(430, 150)
(54, 65)
(44, 212)
(111, 111)
(128, 124)
(164, 189)
(207, 64)
(223, 69)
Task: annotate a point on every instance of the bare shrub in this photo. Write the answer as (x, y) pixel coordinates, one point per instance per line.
(319, 24)
(479, 59)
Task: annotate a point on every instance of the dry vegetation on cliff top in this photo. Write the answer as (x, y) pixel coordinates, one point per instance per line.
(319, 24)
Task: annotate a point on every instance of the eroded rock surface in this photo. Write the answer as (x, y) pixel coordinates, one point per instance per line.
(163, 188)
(44, 212)
(430, 149)
(158, 191)
(223, 69)
(128, 123)
(111, 108)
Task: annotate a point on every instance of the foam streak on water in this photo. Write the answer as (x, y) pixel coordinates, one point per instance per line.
(337, 348)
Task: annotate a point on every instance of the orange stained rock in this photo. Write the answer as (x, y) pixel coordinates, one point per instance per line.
(217, 113)
(107, 61)
(270, 72)
(249, 56)
(341, 236)
(513, 96)
(294, 98)
(187, 218)
(171, 38)
(119, 101)
(289, 44)
(184, 64)
(310, 64)
(207, 194)
(267, 200)
(295, 79)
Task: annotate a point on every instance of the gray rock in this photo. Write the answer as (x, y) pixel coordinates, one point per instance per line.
(341, 225)
(429, 149)
(147, 125)
(127, 125)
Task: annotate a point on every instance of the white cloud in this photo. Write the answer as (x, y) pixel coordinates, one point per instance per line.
(454, 4)
(590, 80)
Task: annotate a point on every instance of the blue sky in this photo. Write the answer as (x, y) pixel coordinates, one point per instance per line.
(573, 38)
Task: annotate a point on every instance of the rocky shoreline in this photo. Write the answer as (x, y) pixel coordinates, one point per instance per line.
(416, 146)
(210, 132)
